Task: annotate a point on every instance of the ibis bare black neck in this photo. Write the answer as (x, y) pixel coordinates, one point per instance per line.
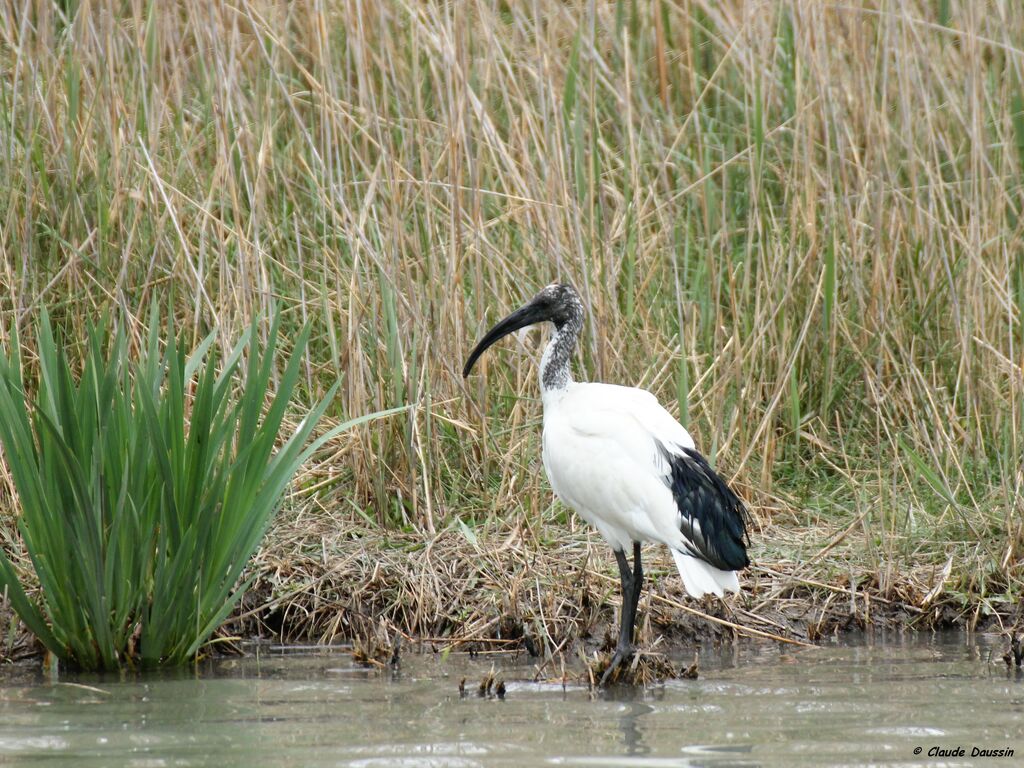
(555, 372)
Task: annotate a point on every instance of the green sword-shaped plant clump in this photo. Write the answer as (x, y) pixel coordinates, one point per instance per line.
(145, 487)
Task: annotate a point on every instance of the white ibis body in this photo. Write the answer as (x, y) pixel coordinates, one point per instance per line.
(628, 468)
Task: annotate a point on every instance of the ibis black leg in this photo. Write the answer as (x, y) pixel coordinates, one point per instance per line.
(630, 595)
(632, 582)
(638, 578)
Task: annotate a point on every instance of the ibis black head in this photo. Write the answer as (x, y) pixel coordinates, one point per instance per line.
(558, 303)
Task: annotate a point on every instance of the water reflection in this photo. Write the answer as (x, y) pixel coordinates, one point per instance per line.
(629, 722)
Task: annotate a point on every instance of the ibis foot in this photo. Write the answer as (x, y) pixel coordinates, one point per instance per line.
(629, 666)
(622, 653)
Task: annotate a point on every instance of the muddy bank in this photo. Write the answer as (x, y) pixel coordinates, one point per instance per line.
(505, 589)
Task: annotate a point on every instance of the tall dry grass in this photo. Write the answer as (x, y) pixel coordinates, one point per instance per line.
(798, 223)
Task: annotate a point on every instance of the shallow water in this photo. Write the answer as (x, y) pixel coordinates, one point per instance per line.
(856, 704)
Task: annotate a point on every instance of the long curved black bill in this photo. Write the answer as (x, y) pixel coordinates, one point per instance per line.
(528, 315)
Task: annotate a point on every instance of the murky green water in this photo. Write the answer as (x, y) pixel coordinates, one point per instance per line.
(860, 704)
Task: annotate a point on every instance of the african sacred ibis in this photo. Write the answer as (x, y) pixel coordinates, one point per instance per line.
(628, 468)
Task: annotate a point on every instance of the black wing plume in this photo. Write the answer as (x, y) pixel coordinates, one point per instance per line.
(712, 517)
